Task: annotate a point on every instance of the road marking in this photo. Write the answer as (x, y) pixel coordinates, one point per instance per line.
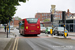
(15, 44)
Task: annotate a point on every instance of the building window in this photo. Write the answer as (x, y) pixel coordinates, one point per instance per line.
(59, 13)
(44, 17)
(39, 16)
(48, 15)
(44, 14)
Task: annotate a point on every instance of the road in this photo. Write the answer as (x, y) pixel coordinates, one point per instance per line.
(44, 42)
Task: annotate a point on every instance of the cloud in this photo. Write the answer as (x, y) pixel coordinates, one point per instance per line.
(31, 7)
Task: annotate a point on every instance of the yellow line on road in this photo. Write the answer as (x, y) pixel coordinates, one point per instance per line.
(15, 44)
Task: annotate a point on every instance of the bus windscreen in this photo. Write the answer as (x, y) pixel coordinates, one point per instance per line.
(32, 20)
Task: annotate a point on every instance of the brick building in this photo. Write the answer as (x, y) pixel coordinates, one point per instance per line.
(43, 16)
(69, 14)
(15, 22)
(57, 16)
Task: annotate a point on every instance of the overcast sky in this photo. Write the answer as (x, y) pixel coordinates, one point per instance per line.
(31, 7)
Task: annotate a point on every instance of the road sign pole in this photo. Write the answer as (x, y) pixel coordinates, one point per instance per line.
(64, 22)
(51, 31)
(52, 15)
(9, 26)
(7, 30)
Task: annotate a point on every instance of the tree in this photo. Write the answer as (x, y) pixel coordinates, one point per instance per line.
(7, 9)
(46, 20)
(18, 18)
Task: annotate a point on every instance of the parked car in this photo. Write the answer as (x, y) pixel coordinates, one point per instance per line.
(17, 27)
(59, 31)
(11, 28)
(47, 31)
(42, 29)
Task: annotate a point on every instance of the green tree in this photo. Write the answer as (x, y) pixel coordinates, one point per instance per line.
(18, 18)
(46, 20)
(7, 9)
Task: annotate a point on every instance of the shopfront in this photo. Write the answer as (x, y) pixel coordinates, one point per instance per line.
(70, 25)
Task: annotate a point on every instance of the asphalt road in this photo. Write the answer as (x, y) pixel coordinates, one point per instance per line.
(44, 42)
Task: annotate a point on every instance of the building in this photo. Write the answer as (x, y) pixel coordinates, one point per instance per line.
(43, 16)
(69, 14)
(70, 19)
(15, 22)
(70, 24)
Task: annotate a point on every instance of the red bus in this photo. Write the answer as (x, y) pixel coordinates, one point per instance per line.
(29, 26)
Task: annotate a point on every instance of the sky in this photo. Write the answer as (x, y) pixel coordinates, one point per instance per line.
(31, 7)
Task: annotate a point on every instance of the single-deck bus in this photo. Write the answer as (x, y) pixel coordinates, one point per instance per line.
(29, 26)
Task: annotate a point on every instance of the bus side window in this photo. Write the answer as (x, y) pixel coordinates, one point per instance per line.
(22, 25)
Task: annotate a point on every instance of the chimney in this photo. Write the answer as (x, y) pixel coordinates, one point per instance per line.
(68, 11)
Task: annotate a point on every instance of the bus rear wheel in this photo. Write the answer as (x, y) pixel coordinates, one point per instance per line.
(20, 34)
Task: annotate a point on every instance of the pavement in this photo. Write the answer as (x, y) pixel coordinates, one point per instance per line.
(4, 41)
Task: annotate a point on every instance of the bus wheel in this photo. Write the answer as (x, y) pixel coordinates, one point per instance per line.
(20, 34)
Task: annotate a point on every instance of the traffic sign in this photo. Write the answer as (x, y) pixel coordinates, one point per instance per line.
(53, 8)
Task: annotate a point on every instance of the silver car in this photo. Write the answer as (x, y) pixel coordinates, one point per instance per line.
(59, 31)
(42, 29)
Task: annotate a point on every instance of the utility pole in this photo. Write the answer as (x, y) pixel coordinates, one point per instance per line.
(7, 29)
(9, 26)
(52, 15)
(64, 22)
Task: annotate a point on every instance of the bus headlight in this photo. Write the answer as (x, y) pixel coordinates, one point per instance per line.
(37, 26)
(26, 27)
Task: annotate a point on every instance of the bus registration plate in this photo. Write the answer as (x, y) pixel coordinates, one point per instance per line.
(32, 30)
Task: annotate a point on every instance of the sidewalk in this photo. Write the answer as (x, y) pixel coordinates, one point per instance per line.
(3, 34)
(71, 34)
(4, 41)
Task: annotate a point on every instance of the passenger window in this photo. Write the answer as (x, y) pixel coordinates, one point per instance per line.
(22, 25)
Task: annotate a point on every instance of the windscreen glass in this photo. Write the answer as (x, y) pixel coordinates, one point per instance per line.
(32, 20)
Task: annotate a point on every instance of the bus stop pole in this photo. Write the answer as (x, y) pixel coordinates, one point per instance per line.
(9, 26)
(7, 30)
